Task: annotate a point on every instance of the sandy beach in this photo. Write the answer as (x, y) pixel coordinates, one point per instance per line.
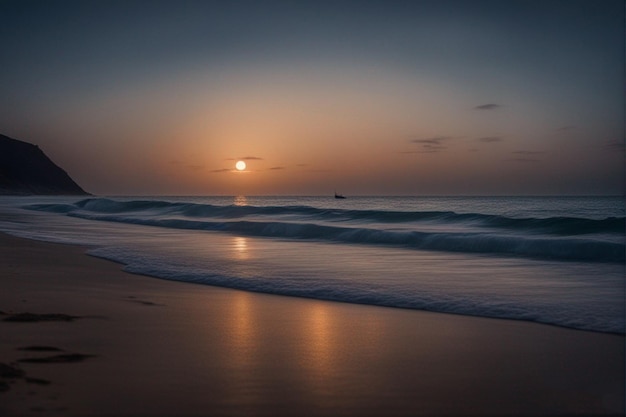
(100, 341)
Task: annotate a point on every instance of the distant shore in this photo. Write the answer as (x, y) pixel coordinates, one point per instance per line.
(99, 341)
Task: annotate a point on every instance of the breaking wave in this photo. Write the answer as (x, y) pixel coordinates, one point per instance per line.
(558, 238)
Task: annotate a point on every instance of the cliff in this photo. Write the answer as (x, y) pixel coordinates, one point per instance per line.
(26, 170)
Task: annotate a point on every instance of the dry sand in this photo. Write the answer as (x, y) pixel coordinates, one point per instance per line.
(124, 344)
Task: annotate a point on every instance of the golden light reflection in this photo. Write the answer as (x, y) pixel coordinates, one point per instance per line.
(240, 246)
(243, 336)
(241, 200)
(329, 335)
(319, 331)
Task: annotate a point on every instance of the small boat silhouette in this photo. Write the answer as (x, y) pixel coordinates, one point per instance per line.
(339, 195)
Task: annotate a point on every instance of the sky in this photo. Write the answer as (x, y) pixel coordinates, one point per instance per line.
(439, 97)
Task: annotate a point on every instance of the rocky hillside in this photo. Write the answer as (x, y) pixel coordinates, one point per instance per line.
(26, 170)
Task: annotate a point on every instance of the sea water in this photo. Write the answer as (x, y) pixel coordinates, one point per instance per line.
(554, 260)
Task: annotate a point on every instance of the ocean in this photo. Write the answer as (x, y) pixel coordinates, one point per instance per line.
(552, 260)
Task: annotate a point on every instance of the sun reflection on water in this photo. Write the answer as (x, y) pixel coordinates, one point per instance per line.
(240, 200)
(243, 339)
(320, 333)
(240, 248)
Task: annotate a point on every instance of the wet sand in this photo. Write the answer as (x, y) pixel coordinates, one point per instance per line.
(99, 341)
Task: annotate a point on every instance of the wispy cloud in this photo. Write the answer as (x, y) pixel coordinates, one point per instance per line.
(195, 167)
(422, 151)
(276, 168)
(433, 148)
(430, 145)
(221, 170)
(488, 106)
(245, 158)
(522, 160)
(432, 141)
(616, 145)
(528, 152)
(490, 139)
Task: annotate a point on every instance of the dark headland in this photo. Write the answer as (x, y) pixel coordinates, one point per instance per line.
(26, 170)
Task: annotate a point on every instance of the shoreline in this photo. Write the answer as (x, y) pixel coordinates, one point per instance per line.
(302, 297)
(162, 347)
(86, 250)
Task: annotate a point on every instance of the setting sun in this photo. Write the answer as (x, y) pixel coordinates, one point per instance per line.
(240, 165)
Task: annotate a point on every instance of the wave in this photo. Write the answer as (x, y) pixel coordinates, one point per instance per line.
(187, 217)
(565, 226)
(578, 316)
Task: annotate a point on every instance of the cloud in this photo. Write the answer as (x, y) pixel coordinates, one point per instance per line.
(490, 139)
(616, 145)
(221, 170)
(522, 160)
(430, 145)
(432, 141)
(245, 158)
(528, 152)
(424, 151)
(276, 168)
(488, 106)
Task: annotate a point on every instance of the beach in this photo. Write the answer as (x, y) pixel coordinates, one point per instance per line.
(313, 209)
(124, 344)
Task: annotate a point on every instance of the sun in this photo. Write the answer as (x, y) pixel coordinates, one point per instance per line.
(240, 165)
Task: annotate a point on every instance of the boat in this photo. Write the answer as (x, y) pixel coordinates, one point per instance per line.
(339, 195)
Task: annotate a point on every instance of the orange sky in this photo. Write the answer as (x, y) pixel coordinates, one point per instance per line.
(386, 99)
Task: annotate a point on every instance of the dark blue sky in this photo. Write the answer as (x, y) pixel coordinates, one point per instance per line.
(159, 96)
